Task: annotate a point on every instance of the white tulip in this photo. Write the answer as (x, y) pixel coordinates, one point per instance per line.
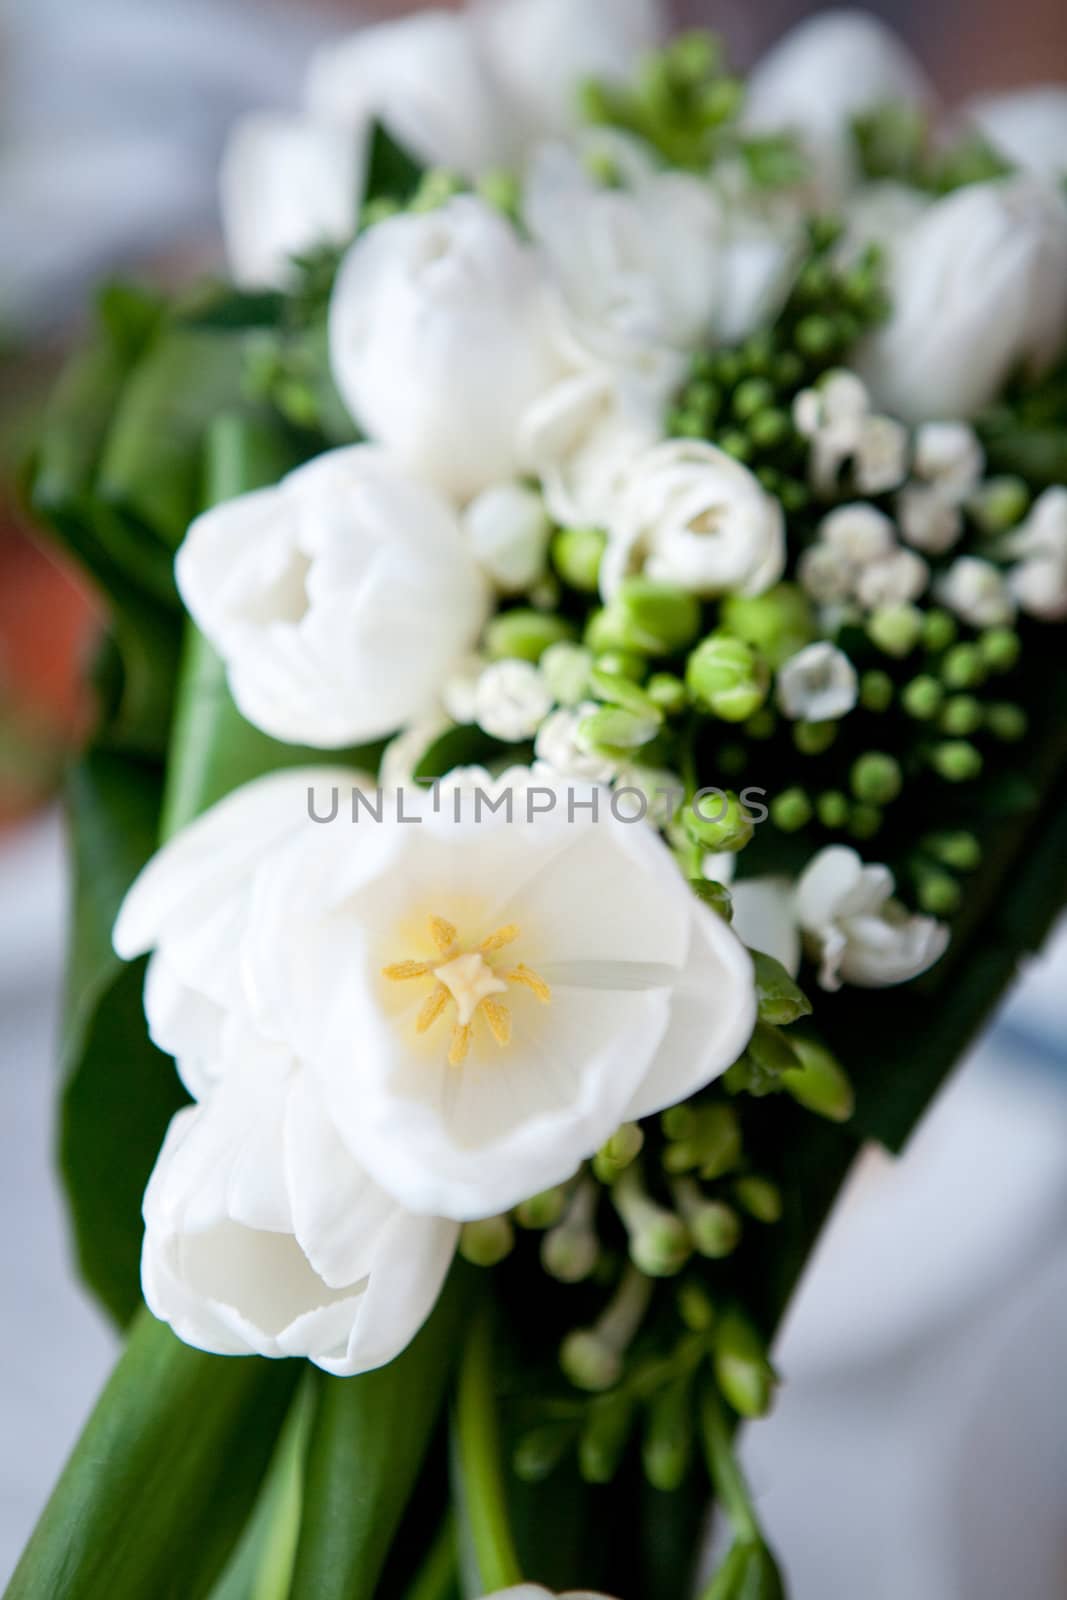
(286, 186)
(1039, 582)
(977, 592)
(481, 999)
(264, 1236)
(422, 76)
(691, 515)
(855, 929)
(896, 580)
(979, 288)
(507, 530)
(511, 700)
(818, 684)
(540, 51)
(440, 341)
(337, 599)
(1027, 126)
(823, 74)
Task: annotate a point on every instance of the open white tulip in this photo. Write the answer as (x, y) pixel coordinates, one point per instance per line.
(424, 77)
(482, 1000)
(440, 341)
(337, 599)
(691, 515)
(827, 71)
(263, 1236)
(1027, 126)
(287, 186)
(979, 288)
(540, 51)
(856, 930)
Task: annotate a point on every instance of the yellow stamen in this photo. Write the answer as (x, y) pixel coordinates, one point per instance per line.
(443, 934)
(432, 1009)
(497, 940)
(400, 971)
(461, 1043)
(499, 1020)
(530, 980)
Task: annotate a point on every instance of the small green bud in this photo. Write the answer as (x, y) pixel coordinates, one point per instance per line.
(540, 1451)
(816, 337)
(761, 1198)
(763, 725)
(770, 428)
(624, 1147)
(695, 1306)
(736, 444)
(570, 1254)
(788, 369)
(661, 1247)
(667, 692)
(502, 190)
(525, 635)
(963, 667)
(623, 664)
(707, 1139)
(876, 690)
(576, 555)
(589, 1361)
(542, 1210)
(565, 668)
(777, 624)
(752, 396)
(668, 1442)
(865, 821)
(615, 732)
(962, 716)
(938, 893)
(716, 820)
(609, 1422)
(923, 697)
(780, 999)
(876, 778)
(832, 809)
(960, 851)
(999, 504)
(819, 1083)
(745, 1376)
(791, 810)
(896, 630)
(1000, 649)
(716, 1229)
(666, 617)
(1006, 722)
(618, 690)
(486, 1243)
(940, 630)
(814, 738)
(956, 761)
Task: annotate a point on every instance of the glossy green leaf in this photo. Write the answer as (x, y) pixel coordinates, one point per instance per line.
(161, 1482)
(392, 172)
(368, 1444)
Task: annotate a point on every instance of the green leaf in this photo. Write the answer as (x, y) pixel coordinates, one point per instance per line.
(162, 1480)
(368, 1444)
(781, 1000)
(392, 172)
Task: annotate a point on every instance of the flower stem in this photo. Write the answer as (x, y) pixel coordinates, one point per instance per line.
(480, 1464)
(437, 1578)
(730, 1487)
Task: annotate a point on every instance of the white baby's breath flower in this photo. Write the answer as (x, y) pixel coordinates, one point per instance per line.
(880, 459)
(818, 684)
(836, 418)
(977, 592)
(337, 599)
(855, 929)
(558, 748)
(895, 580)
(508, 531)
(1039, 581)
(859, 533)
(432, 978)
(825, 574)
(263, 1235)
(929, 520)
(511, 700)
(440, 341)
(693, 516)
(949, 455)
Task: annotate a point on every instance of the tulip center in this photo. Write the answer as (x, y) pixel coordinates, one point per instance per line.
(470, 980)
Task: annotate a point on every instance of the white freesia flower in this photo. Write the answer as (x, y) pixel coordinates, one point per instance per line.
(691, 515)
(264, 1236)
(823, 74)
(422, 76)
(837, 419)
(1039, 581)
(1027, 126)
(859, 533)
(508, 531)
(336, 599)
(511, 700)
(979, 287)
(948, 465)
(481, 1000)
(440, 341)
(818, 684)
(855, 929)
(540, 51)
(557, 747)
(287, 185)
(764, 918)
(977, 592)
(896, 580)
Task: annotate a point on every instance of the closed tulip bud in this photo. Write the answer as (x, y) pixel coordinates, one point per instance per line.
(727, 678)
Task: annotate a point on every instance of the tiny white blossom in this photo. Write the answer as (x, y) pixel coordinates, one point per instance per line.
(977, 592)
(557, 746)
(831, 417)
(1039, 581)
(929, 519)
(881, 455)
(459, 692)
(825, 574)
(858, 533)
(507, 531)
(855, 929)
(511, 700)
(950, 456)
(895, 580)
(818, 684)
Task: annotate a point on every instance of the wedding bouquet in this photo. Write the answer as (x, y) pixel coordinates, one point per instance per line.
(581, 747)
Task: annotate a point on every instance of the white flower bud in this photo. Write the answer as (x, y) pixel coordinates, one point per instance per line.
(508, 531)
(511, 700)
(928, 519)
(977, 592)
(1039, 582)
(558, 747)
(895, 580)
(880, 459)
(858, 533)
(818, 684)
